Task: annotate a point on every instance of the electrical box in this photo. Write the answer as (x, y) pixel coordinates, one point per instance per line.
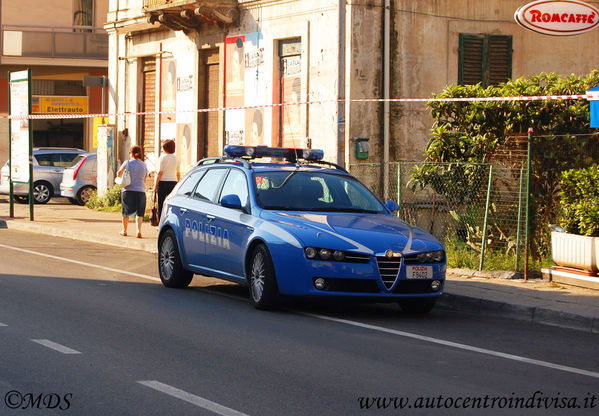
(362, 147)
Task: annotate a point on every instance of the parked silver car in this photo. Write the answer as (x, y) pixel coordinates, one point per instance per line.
(80, 179)
(48, 164)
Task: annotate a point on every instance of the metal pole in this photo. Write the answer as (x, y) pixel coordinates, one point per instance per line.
(527, 216)
(399, 189)
(484, 242)
(519, 226)
(31, 184)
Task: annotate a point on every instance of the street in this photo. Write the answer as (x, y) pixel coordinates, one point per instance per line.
(89, 329)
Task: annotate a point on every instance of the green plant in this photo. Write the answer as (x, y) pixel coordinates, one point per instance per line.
(474, 131)
(579, 200)
(110, 201)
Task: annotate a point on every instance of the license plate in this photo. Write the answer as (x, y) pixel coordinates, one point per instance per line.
(419, 272)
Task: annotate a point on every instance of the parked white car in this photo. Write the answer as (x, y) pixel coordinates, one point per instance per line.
(80, 179)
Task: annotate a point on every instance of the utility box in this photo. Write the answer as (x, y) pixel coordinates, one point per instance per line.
(362, 147)
(106, 160)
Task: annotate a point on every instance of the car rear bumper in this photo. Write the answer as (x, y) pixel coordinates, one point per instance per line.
(67, 191)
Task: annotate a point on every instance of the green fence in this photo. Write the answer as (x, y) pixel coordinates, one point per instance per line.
(476, 210)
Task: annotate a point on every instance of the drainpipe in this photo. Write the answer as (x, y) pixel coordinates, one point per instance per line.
(386, 95)
(341, 105)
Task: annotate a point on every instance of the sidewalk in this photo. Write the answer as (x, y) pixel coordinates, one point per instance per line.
(534, 300)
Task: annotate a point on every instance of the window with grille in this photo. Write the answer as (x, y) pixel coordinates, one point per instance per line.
(484, 58)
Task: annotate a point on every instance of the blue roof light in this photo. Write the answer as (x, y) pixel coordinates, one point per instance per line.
(278, 152)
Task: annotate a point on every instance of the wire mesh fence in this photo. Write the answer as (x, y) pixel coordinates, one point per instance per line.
(476, 210)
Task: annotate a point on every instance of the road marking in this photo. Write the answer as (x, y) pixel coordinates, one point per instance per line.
(81, 263)
(457, 345)
(191, 398)
(56, 347)
(1, 324)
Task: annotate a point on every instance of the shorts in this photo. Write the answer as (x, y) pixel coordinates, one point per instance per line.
(134, 203)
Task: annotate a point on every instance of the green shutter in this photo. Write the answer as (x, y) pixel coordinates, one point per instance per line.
(484, 58)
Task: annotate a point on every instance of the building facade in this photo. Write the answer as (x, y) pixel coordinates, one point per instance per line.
(62, 42)
(276, 72)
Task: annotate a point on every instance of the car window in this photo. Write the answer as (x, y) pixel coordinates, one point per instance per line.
(236, 184)
(209, 184)
(186, 187)
(45, 159)
(314, 191)
(76, 160)
(64, 160)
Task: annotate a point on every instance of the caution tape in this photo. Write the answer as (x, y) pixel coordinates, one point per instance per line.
(353, 100)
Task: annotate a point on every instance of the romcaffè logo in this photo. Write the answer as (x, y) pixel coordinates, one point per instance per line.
(558, 18)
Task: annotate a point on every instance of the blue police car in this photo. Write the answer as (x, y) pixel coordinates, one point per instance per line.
(294, 225)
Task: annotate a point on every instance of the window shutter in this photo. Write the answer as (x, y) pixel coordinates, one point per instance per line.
(471, 59)
(484, 58)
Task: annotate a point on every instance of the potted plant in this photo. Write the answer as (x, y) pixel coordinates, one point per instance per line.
(578, 246)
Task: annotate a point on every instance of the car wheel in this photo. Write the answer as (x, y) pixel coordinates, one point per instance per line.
(84, 194)
(170, 268)
(42, 192)
(21, 199)
(262, 279)
(419, 305)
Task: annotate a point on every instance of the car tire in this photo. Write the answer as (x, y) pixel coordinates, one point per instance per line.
(262, 280)
(42, 192)
(419, 305)
(84, 194)
(170, 268)
(21, 199)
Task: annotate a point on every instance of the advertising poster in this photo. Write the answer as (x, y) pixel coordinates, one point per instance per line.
(245, 86)
(291, 89)
(19, 128)
(183, 147)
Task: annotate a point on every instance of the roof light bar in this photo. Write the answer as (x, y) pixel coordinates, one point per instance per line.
(279, 152)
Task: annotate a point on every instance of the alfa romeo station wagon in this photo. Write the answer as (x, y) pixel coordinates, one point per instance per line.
(294, 225)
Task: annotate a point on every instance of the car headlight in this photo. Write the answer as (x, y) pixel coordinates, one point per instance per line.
(327, 254)
(310, 252)
(431, 257)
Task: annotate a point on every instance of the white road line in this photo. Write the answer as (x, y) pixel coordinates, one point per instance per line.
(56, 347)
(457, 345)
(191, 398)
(81, 263)
(1, 324)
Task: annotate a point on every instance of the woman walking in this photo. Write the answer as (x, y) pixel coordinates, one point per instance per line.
(134, 194)
(168, 175)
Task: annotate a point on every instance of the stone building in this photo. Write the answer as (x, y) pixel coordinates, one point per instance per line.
(170, 61)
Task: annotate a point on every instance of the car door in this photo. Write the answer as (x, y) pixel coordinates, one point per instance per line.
(228, 230)
(193, 216)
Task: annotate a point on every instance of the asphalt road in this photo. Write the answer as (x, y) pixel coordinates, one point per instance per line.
(89, 329)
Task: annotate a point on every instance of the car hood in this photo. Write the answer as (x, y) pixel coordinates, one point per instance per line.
(365, 233)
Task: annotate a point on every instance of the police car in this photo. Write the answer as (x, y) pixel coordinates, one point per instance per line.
(294, 225)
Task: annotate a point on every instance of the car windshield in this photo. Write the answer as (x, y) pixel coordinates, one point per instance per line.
(313, 191)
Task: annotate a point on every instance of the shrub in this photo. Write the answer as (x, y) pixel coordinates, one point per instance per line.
(110, 201)
(579, 201)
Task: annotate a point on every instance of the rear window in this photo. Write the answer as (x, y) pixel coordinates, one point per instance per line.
(78, 159)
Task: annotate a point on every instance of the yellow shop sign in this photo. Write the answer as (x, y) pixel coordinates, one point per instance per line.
(59, 104)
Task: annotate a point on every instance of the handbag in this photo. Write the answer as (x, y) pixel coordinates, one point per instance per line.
(124, 180)
(154, 219)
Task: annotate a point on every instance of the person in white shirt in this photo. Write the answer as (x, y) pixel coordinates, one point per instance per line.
(168, 173)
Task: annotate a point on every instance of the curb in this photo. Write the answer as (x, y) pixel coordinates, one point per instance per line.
(148, 244)
(527, 313)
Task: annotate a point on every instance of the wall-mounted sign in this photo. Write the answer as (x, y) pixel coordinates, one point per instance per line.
(558, 18)
(58, 104)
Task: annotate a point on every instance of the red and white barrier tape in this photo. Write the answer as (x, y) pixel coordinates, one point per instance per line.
(354, 100)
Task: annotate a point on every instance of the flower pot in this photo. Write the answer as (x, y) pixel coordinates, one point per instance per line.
(576, 251)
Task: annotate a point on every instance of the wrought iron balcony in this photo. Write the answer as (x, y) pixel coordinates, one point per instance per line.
(79, 42)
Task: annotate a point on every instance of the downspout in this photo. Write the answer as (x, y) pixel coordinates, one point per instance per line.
(386, 95)
(342, 153)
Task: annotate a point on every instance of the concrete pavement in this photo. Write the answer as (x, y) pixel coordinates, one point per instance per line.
(535, 300)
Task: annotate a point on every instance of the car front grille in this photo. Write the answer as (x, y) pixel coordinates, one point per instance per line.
(388, 269)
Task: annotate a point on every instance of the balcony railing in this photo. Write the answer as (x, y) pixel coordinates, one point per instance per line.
(79, 42)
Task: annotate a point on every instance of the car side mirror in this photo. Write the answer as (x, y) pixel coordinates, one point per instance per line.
(391, 205)
(231, 201)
